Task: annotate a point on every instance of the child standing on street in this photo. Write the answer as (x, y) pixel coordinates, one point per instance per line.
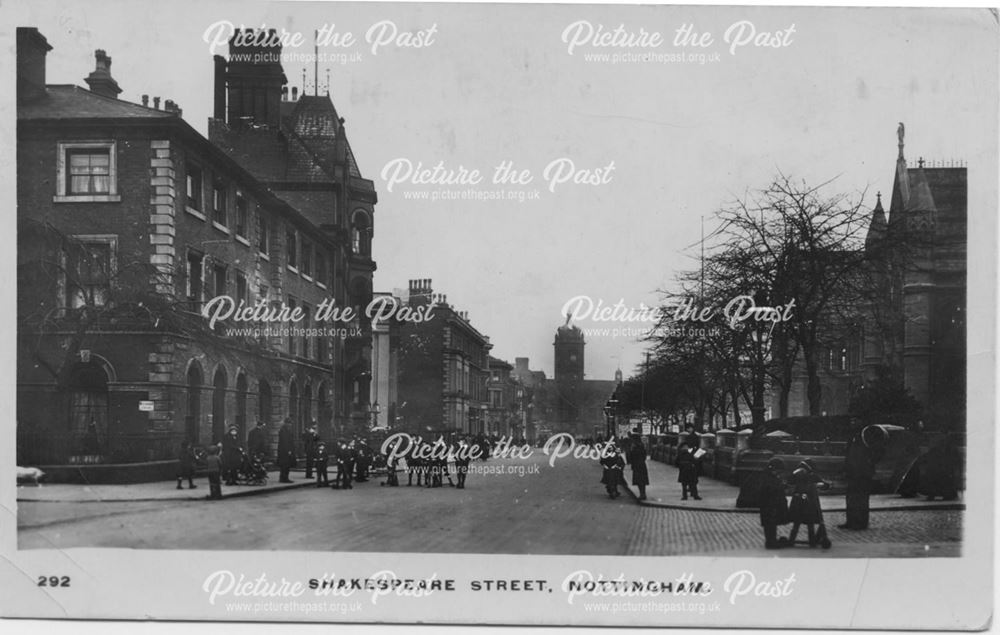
(805, 507)
(213, 465)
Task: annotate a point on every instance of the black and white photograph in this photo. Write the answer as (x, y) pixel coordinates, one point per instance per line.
(549, 314)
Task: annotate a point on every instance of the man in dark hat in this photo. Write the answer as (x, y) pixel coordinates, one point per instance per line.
(863, 451)
(773, 504)
(232, 456)
(636, 457)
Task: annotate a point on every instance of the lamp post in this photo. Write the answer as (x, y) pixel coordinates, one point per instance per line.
(611, 412)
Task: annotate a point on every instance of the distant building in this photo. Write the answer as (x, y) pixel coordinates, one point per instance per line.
(504, 414)
(577, 403)
(538, 407)
(443, 367)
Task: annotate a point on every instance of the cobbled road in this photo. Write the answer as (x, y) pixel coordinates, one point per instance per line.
(509, 506)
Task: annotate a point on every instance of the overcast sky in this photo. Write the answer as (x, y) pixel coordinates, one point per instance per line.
(497, 83)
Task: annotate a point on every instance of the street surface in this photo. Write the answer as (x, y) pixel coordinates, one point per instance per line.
(558, 510)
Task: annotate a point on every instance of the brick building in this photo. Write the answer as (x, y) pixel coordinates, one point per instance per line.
(505, 414)
(129, 222)
(443, 367)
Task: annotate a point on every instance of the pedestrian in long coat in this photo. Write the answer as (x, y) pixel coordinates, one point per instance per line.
(637, 459)
(805, 507)
(232, 456)
(186, 461)
(614, 465)
(773, 504)
(687, 472)
(286, 451)
(859, 468)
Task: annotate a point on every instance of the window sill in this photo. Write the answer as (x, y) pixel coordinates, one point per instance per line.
(88, 198)
(241, 239)
(307, 277)
(192, 211)
(221, 228)
(292, 269)
(264, 256)
(320, 285)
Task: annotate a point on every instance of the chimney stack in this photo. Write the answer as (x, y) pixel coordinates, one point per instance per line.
(156, 103)
(100, 80)
(219, 110)
(295, 93)
(145, 101)
(31, 50)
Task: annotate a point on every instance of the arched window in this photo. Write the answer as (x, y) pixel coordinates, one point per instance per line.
(241, 403)
(192, 420)
(88, 407)
(323, 414)
(293, 405)
(264, 402)
(361, 233)
(307, 416)
(219, 385)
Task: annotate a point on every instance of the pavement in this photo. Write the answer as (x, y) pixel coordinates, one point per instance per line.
(718, 496)
(155, 491)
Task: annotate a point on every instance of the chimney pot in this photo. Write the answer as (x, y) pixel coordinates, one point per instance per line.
(100, 80)
(156, 103)
(295, 93)
(145, 100)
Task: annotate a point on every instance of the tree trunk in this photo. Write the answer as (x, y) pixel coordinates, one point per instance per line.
(814, 390)
(737, 421)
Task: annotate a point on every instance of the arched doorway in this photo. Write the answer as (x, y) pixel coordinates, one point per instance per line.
(88, 408)
(323, 414)
(264, 402)
(241, 404)
(219, 384)
(193, 419)
(306, 408)
(293, 405)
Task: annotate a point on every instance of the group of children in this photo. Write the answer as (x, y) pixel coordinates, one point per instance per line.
(432, 472)
(804, 508)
